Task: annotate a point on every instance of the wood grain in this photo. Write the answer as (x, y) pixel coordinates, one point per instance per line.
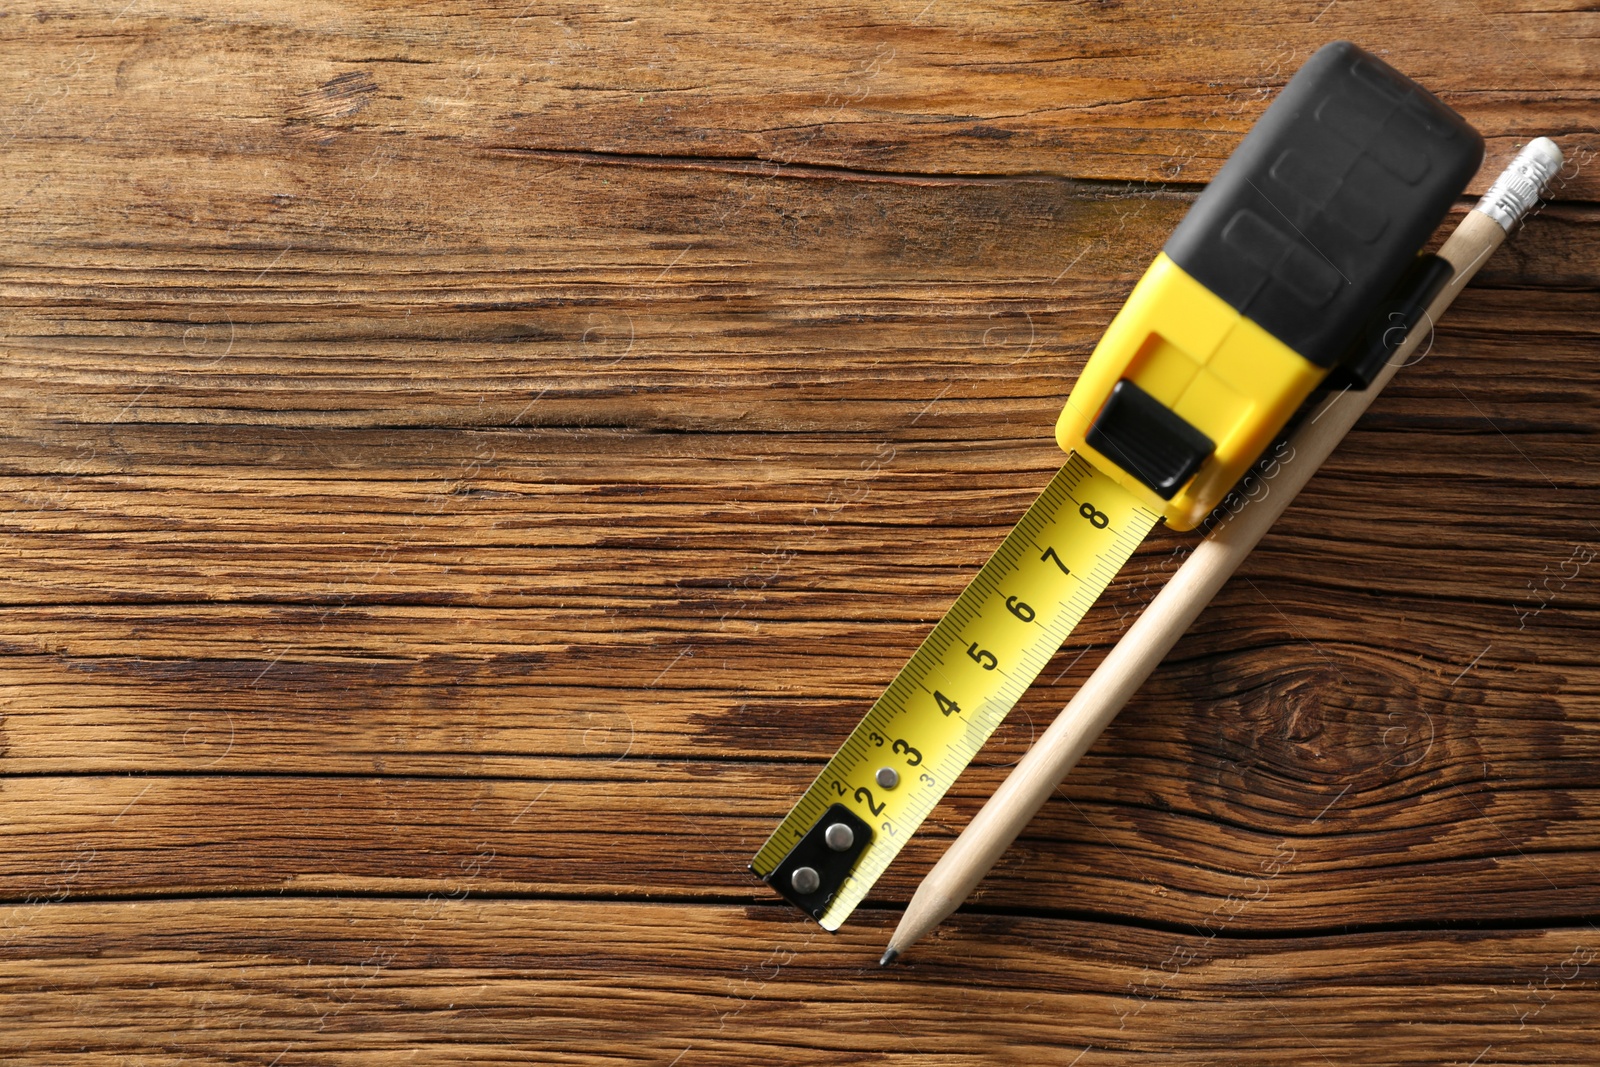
(465, 469)
(466, 981)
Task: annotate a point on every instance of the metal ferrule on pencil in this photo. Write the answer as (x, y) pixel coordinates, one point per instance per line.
(1518, 188)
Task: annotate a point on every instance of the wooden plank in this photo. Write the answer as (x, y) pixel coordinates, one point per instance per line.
(316, 980)
(1101, 91)
(692, 325)
(514, 981)
(1136, 836)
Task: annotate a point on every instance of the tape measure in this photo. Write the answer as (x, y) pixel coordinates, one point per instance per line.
(1289, 272)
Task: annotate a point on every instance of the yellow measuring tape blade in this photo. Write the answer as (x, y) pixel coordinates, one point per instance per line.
(969, 673)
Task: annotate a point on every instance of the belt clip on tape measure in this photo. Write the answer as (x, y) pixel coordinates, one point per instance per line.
(1297, 267)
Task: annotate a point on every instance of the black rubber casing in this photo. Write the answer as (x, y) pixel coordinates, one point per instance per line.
(1327, 200)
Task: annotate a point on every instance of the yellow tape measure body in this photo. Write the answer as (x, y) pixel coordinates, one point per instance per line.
(958, 686)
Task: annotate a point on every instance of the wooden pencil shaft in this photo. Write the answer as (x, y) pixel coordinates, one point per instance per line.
(1167, 618)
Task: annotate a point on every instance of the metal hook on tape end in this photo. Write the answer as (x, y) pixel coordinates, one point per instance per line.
(811, 874)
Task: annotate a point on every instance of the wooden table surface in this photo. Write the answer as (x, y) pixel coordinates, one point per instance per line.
(467, 467)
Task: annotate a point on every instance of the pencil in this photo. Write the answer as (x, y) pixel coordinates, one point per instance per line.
(1191, 588)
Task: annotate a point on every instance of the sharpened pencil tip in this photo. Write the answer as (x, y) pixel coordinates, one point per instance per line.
(888, 957)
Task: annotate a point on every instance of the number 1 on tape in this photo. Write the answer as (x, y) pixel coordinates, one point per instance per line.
(957, 688)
